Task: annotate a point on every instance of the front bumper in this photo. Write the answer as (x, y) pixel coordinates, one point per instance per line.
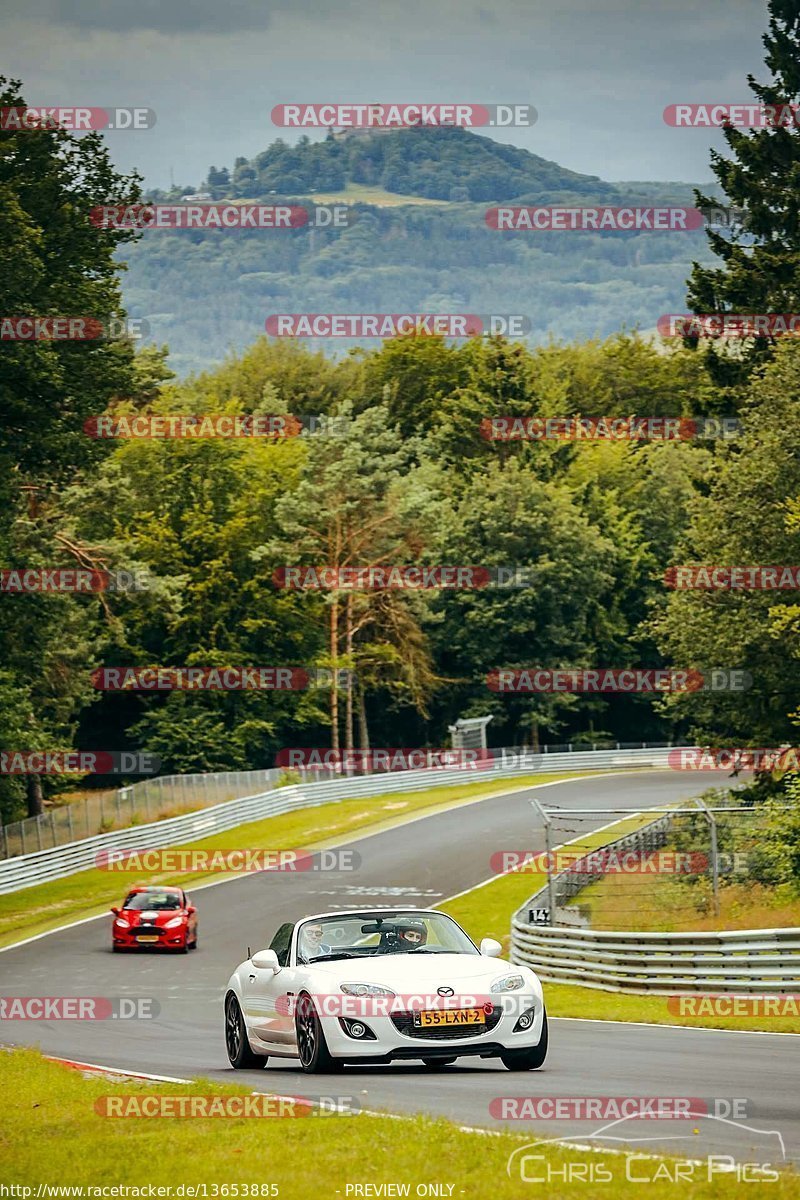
(391, 1042)
(167, 939)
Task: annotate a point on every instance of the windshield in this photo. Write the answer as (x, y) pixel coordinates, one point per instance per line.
(366, 935)
(152, 901)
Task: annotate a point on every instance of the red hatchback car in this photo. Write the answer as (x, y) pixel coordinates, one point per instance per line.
(157, 917)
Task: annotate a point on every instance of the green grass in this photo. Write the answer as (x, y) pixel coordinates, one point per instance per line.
(49, 905)
(486, 912)
(572, 1000)
(664, 903)
(52, 1134)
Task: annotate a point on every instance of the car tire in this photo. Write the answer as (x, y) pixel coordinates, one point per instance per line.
(239, 1053)
(436, 1064)
(312, 1049)
(193, 945)
(530, 1059)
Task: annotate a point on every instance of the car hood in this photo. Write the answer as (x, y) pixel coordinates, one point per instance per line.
(137, 917)
(404, 971)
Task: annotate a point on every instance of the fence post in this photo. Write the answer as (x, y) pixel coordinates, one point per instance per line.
(550, 890)
(22, 836)
(69, 822)
(38, 832)
(712, 820)
(53, 826)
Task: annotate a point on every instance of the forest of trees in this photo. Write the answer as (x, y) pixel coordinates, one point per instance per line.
(206, 292)
(403, 475)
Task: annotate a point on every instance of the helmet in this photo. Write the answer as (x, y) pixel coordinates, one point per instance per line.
(412, 934)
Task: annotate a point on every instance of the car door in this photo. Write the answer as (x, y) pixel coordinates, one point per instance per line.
(269, 996)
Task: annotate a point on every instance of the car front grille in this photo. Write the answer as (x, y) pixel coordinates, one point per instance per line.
(404, 1023)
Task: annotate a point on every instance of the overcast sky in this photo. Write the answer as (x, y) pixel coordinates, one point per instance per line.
(599, 72)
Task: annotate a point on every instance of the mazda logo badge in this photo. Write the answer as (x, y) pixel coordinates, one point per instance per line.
(445, 991)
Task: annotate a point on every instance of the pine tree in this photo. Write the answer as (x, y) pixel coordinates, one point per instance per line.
(760, 270)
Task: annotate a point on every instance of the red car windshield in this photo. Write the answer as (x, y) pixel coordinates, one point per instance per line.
(152, 901)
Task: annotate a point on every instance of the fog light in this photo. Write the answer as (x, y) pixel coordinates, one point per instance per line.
(525, 1021)
(357, 1029)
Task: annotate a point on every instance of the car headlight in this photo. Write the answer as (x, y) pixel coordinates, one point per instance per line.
(508, 983)
(174, 923)
(124, 924)
(365, 989)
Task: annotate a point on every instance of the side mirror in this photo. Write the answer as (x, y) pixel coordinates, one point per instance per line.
(491, 948)
(115, 911)
(190, 908)
(266, 960)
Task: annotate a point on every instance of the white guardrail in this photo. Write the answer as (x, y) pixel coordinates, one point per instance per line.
(26, 870)
(749, 961)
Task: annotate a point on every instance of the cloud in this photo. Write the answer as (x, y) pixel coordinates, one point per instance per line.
(164, 16)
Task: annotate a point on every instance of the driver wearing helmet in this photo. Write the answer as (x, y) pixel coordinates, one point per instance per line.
(411, 935)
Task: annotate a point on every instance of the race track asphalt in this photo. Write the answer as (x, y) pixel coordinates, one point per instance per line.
(419, 863)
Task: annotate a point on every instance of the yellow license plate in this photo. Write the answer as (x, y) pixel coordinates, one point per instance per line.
(450, 1016)
(142, 938)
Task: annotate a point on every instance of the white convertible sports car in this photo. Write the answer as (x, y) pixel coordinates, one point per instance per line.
(382, 984)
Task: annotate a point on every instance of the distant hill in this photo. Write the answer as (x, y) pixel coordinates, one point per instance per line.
(208, 292)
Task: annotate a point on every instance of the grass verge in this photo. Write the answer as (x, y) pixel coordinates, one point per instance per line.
(486, 911)
(48, 905)
(52, 1135)
(663, 903)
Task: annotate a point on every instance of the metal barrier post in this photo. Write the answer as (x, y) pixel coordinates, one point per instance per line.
(551, 900)
(712, 821)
